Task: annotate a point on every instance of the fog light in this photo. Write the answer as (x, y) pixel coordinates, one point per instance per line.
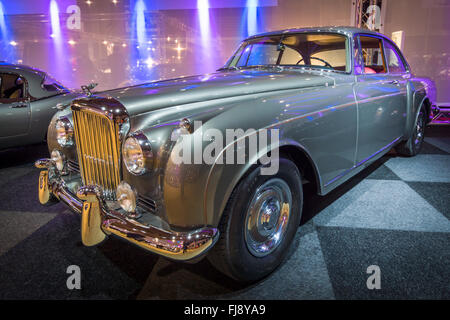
(58, 159)
(126, 197)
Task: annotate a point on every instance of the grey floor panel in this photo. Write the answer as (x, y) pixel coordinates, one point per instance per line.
(18, 225)
(436, 194)
(423, 167)
(389, 205)
(305, 272)
(441, 143)
(36, 267)
(413, 265)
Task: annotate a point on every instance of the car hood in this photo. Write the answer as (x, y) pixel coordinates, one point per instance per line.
(184, 90)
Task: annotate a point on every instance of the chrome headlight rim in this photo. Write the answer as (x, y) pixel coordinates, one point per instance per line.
(67, 140)
(140, 139)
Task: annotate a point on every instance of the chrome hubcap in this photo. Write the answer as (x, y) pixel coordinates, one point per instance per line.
(267, 217)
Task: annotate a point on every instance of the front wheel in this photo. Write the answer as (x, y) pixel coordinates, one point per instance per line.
(412, 146)
(259, 223)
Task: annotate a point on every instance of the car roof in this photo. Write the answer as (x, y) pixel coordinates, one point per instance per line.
(345, 30)
(33, 77)
(7, 66)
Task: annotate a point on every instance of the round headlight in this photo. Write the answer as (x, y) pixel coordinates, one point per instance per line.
(58, 159)
(126, 197)
(64, 132)
(137, 154)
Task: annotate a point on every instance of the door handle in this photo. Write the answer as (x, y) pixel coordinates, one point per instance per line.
(16, 106)
(394, 82)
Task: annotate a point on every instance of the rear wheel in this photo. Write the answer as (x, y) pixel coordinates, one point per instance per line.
(412, 146)
(259, 223)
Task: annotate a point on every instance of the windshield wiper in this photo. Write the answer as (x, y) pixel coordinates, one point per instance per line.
(263, 66)
(311, 66)
(256, 66)
(228, 68)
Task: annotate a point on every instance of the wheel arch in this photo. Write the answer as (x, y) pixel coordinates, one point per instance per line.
(420, 97)
(427, 103)
(217, 196)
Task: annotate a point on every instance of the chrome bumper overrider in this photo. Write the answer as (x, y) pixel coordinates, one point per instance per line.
(98, 221)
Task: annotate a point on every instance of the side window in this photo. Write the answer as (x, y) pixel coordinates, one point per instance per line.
(393, 59)
(12, 88)
(357, 57)
(372, 52)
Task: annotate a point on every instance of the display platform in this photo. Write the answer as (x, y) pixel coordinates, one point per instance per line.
(393, 214)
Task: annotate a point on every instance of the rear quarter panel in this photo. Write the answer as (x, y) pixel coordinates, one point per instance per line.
(419, 91)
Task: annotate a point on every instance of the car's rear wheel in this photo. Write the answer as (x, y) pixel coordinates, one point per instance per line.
(413, 145)
(259, 223)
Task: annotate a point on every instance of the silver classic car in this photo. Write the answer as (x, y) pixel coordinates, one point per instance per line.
(214, 165)
(28, 101)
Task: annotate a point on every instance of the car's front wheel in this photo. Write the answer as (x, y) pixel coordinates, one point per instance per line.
(259, 223)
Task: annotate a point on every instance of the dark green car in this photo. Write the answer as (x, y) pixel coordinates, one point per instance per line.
(28, 101)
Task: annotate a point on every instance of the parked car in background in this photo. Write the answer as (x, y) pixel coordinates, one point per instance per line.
(340, 98)
(28, 101)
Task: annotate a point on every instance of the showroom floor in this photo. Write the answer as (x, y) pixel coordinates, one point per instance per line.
(395, 214)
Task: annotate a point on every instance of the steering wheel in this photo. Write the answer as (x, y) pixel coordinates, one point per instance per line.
(326, 63)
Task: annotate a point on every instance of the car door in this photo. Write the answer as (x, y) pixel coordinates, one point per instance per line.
(14, 106)
(399, 75)
(381, 99)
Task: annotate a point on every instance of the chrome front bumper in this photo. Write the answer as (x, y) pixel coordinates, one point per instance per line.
(98, 221)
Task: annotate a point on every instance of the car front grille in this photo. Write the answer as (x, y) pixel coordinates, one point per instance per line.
(73, 166)
(146, 203)
(98, 147)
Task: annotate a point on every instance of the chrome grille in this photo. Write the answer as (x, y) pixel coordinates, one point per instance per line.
(73, 166)
(146, 203)
(98, 147)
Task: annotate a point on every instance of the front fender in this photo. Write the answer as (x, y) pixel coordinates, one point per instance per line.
(222, 179)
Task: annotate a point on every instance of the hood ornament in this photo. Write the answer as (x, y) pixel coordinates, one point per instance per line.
(87, 88)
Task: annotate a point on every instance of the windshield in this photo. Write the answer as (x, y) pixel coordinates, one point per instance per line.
(51, 85)
(321, 50)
